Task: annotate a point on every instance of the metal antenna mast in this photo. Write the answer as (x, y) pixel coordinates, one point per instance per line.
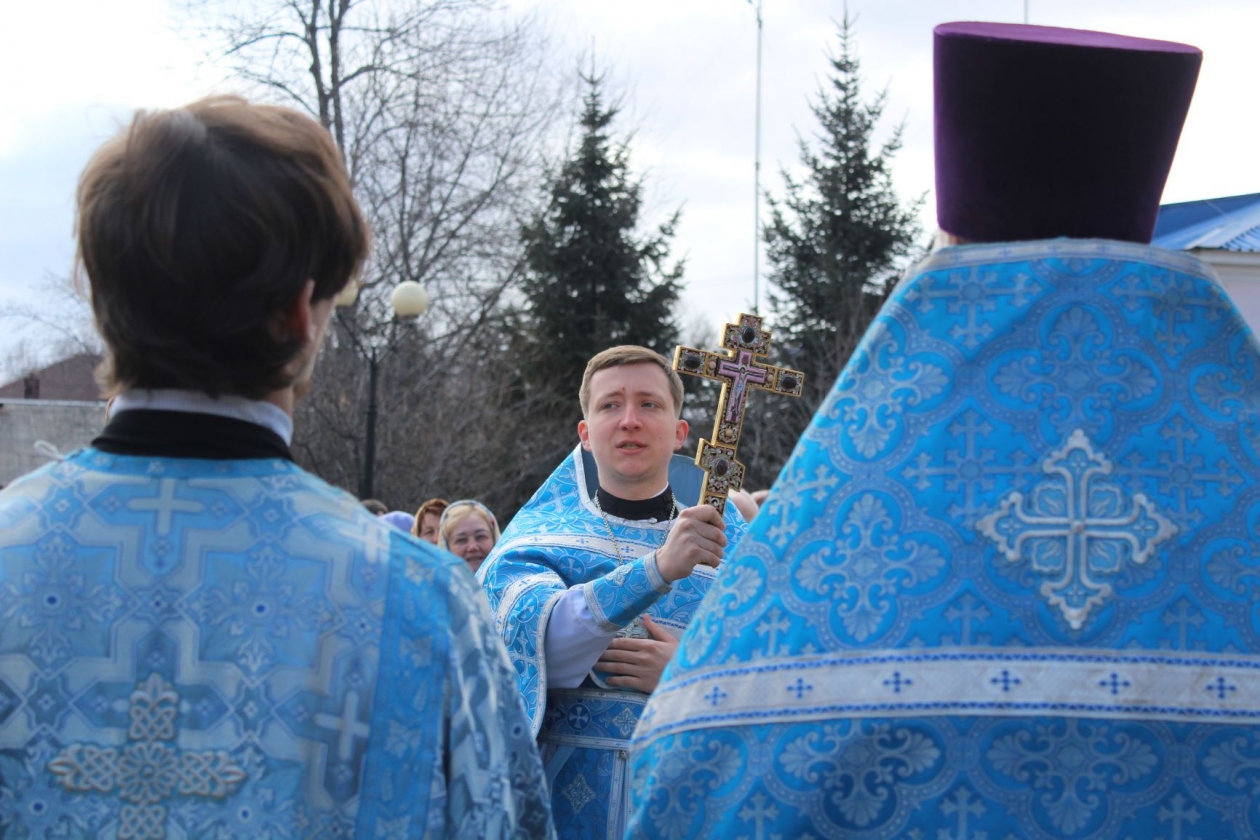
(757, 178)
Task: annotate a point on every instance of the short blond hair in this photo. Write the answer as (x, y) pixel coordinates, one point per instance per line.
(457, 512)
(630, 354)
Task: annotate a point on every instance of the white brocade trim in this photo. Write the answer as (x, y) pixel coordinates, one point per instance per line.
(653, 568)
(598, 545)
(1111, 249)
(1163, 685)
(593, 606)
(514, 592)
(504, 613)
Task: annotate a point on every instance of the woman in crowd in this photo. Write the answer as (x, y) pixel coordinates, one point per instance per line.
(468, 530)
(428, 518)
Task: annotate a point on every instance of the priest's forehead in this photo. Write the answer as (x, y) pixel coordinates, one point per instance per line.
(640, 381)
(626, 355)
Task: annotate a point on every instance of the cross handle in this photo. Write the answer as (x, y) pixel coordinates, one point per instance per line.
(722, 473)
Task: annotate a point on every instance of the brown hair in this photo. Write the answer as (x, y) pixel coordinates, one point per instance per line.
(630, 354)
(197, 227)
(435, 506)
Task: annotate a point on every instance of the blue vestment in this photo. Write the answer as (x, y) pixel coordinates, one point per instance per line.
(234, 649)
(1006, 585)
(558, 540)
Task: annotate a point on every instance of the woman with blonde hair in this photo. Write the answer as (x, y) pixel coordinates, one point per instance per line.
(468, 530)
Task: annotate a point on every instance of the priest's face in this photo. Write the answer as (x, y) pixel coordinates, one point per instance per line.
(631, 429)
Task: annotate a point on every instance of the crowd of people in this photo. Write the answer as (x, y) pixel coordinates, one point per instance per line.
(969, 607)
(465, 528)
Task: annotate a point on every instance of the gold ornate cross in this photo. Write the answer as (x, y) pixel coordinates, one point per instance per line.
(739, 371)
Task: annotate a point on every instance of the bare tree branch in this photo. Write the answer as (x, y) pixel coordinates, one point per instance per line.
(442, 110)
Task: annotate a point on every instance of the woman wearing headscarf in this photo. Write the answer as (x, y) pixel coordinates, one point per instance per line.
(468, 530)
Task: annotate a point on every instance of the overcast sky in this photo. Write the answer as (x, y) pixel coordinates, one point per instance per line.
(686, 70)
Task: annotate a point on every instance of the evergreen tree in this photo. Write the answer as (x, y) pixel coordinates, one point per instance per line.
(592, 280)
(835, 243)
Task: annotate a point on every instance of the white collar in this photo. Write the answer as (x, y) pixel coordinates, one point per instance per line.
(258, 412)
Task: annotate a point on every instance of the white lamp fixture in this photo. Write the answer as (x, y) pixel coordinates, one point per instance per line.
(348, 295)
(409, 299)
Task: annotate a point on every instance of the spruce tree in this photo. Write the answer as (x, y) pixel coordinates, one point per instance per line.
(592, 279)
(835, 242)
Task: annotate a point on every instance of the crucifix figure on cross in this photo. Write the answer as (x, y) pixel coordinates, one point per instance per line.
(739, 371)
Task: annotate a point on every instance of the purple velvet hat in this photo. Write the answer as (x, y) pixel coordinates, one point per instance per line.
(1044, 132)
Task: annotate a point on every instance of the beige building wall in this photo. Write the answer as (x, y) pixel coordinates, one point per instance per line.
(67, 425)
(1240, 275)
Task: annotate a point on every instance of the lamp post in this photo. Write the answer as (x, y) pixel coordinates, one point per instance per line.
(409, 300)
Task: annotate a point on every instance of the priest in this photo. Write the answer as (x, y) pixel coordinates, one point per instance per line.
(197, 637)
(1006, 585)
(597, 576)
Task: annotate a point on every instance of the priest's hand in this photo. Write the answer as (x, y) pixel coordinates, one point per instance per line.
(638, 663)
(698, 538)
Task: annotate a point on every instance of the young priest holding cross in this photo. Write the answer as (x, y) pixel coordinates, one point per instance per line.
(597, 576)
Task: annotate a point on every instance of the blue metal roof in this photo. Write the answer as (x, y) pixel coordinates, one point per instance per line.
(1228, 224)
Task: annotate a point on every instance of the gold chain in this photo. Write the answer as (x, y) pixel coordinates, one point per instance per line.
(673, 511)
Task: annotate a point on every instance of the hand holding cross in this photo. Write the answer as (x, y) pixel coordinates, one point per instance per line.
(739, 371)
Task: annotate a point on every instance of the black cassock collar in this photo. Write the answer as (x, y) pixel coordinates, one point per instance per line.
(656, 509)
(185, 434)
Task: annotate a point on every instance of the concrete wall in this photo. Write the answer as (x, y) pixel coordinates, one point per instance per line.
(72, 378)
(66, 425)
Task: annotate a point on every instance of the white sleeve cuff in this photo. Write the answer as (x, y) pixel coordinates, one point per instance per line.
(573, 640)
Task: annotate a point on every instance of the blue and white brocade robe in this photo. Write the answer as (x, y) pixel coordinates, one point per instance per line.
(558, 540)
(1006, 586)
(234, 649)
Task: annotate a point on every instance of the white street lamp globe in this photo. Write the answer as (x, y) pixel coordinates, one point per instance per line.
(348, 295)
(409, 299)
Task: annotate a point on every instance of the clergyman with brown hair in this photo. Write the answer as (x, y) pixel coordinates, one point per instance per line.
(597, 576)
(198, 636)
